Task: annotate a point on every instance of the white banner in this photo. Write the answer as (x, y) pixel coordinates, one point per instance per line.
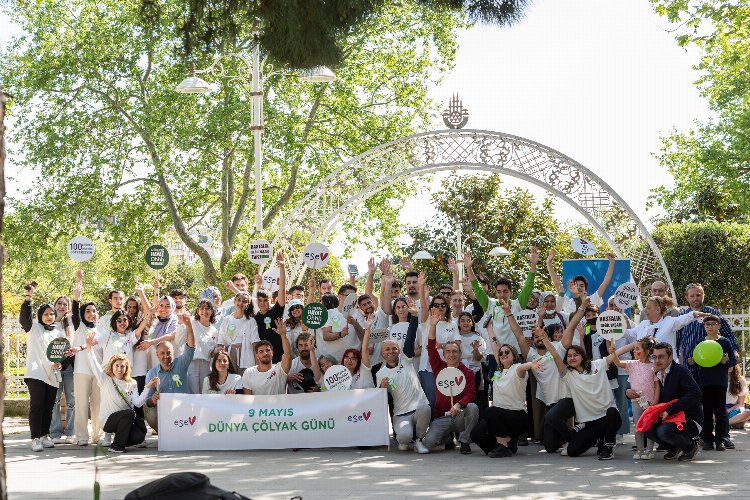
(357, 417)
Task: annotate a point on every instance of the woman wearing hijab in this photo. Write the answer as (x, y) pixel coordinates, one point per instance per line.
(164, 328)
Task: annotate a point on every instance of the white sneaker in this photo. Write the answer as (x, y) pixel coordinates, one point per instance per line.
(36, 445)
(564, 450)
(83, 442)
(60, 440)
(107, 439)
(638, 455)
(47, 442)
(144, 444)
(647, 455)
(420, 448)
(403, 446)
(620, 439)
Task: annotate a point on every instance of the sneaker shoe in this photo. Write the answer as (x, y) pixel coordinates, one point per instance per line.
(523, 440)
(638, 455)
(672, 454)
(500, 451)
(689, 453)
(36, 445)
(620, 439)
(564, 450)
(709, 445)
(720, 446)
(465, 449)
(401, 446)
(107, 439)
(60, 439)
(144, 444)
(647, 455)
(700, 441)
(420, 448)
(728, 443)
(83, 442)
(513, 445)
(607, 452)
(450, 445)
(116, 449)
(579, 427)
(47, 442)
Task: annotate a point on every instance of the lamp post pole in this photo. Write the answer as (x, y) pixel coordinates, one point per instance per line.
(257, 128)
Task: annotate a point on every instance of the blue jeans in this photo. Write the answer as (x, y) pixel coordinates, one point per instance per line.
(427, 381)
(622, 403)
(66, 385)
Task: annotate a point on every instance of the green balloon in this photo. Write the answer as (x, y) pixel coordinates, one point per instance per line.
(708, 353)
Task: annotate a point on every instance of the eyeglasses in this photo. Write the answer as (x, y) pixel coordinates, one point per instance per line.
(711, 323)
(441, 305)
(505, 352)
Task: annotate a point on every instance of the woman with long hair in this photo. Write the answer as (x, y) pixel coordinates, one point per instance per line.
(294, 325)
(239, 330)
(64, 322)
(205, 342)
(138, 308)
(39, 375)
(119, 398)
(223, 378)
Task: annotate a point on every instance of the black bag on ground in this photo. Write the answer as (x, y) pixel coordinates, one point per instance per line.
(183, 486)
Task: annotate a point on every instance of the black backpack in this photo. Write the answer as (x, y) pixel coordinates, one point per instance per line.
(183, 486)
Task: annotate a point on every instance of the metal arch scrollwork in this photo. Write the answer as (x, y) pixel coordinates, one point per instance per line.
(346, 188)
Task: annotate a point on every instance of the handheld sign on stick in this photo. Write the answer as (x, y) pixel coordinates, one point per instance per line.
(450, 380)
(80, 249)
(157, 257)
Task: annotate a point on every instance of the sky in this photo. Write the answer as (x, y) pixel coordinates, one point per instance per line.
(597, 80)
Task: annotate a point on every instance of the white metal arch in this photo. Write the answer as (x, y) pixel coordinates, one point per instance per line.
(344, 189)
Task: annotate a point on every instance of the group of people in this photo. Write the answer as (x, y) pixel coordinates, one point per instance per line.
(558, 383)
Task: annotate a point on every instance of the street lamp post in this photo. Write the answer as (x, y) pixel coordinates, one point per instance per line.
(497, 251)
(195, 85)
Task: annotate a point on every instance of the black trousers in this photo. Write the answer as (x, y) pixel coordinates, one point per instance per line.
(480, 395)
(141, 383)
(498, 422)
(556, 431)
(126, 433)
(713, 398)
(669, 435)
(41, 401)
(604, 428)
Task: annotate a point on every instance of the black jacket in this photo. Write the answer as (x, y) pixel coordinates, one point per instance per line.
(679, 384)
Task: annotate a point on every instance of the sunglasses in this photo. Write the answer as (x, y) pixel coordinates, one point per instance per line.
(505, 353)
(441, 305)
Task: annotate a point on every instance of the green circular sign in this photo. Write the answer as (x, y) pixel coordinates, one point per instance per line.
(56, 349)
(314, 315)
(157, 257)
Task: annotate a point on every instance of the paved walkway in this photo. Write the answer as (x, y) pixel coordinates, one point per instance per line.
(68, 471)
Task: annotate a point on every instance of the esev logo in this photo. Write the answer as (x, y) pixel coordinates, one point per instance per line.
(360, 417)
(185, 421)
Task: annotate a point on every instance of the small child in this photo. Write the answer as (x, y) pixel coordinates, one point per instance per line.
(644, 389)
(714, 381)
(736, 393)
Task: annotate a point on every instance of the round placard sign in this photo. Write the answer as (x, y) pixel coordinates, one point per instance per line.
(337, 378)
(611, 325)
(80, 249)
(314, 315)
(272, 279)
(350, 304)
(157, 257)
(626, 295)
(259, 251)
(56, 349)
(450, 381)
(316, 255)
(583, 247)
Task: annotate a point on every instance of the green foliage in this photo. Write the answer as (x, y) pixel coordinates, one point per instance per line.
(711, 164)
(511, 217)
(96, 116)
(714, 254)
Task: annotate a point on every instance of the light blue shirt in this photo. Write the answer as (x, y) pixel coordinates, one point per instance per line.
(174, 380)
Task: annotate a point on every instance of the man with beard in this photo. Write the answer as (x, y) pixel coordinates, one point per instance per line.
(304, 373)
(267, 378)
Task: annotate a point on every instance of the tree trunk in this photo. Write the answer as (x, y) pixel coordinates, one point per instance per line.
(3, 475)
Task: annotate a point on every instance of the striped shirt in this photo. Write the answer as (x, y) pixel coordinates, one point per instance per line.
(693, 334)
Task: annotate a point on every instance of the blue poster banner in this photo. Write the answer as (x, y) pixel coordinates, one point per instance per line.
(594, 270)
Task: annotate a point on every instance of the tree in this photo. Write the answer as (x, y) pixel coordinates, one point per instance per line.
(511, 217)
(711, 163)
(302, 33)
(118, 149)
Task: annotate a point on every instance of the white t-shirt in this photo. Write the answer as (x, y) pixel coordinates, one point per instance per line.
(467, 350)
(508, 389)
(337, 323)
(270, 382)
(499, 322)
(403, 385)
(550, 387)
(362, 379)
(112, 343)
(79, 339)
(205, 340)
(233, 381)
(445, 331)
(242, 331)
(591, 393)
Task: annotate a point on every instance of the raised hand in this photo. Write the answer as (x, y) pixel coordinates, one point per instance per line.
(385, 267)
(452, 266)
(611, 256)
(406, 263)
(185, 318)
(506, 305)
(421, 280)
(280, 259)
(533, 256)
(537, 365)
(551, 256)
(280, 327)
(369, 320)
(468, 261)
(435, 316)
(371, 265)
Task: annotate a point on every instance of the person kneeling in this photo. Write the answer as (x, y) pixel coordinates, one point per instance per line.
(497, 433)
(458, 413)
